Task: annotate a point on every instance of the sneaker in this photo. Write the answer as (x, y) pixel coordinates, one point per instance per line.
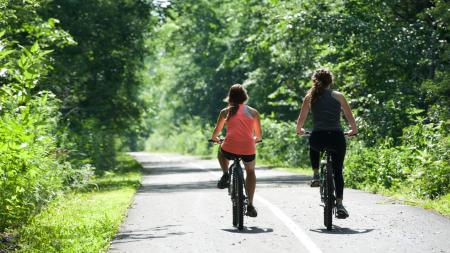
(341, 212)
(223, 182)
(251, 211)
(315, 181)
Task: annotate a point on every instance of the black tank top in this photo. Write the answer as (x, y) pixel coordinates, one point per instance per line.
(326, 111)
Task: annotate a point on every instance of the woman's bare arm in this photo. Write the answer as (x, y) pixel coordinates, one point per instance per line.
(303, 115)
(257, 124)
(347, 112)
(258, 129)
(219, 125)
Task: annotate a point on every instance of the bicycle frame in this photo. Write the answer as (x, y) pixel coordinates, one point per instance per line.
(323, 173)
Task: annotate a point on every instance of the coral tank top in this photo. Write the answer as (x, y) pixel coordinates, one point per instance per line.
(240, 128)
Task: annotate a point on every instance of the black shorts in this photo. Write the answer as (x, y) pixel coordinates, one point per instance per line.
(231, 156)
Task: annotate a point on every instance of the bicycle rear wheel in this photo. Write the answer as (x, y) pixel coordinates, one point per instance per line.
(234, 202)
(240, 198)
(329, 199)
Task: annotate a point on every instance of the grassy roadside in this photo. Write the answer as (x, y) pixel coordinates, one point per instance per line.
(440, 205)
(84, 221)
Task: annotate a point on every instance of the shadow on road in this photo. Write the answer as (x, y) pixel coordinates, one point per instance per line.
(291, 179)
(249, 230)
(167, 170)
(145, 234)
(181, 187)
(340, 230)
(211, 184)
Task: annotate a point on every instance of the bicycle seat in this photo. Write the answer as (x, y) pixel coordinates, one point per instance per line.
(329, 150)
(326, 149)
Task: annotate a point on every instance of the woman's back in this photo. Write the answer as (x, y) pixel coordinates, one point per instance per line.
(240, 128)
(326, 111)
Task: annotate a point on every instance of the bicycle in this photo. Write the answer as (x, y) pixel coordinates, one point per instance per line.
(326, 185)
(237, 191)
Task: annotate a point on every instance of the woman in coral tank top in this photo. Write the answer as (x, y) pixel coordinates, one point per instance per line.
(243, 132)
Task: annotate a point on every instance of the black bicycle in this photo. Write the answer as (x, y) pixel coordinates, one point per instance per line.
(237, 191)
(326, 184)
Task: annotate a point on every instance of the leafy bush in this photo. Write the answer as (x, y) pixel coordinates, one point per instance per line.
(29, 173)
(281, 146)
(420, 165)
(32, 170)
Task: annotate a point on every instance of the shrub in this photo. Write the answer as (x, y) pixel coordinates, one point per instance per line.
(281, 145)
(29, 173)
(420, 164)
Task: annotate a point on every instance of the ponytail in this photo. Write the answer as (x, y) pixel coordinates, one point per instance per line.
(322, 79)
(236, 96)
(232, 110)
(316, 91)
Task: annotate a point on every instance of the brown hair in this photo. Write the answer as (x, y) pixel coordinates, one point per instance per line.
(236, 96)
(322, 79)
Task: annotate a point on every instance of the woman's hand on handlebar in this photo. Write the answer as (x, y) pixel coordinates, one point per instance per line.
(216, 140)
(301, 131)
(351, 133)
(304, 132)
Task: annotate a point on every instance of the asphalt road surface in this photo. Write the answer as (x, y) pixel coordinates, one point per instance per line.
(179, 209)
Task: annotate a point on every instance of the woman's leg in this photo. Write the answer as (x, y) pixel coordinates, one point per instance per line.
(314, 157)
(338, 163)
(250, 180)
(223, 162)
(316, 142)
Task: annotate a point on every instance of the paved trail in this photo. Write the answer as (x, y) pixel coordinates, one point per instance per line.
(179, 209)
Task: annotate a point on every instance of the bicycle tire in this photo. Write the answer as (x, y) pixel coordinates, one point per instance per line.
(234, 201)
(240, 198)
(329, 190)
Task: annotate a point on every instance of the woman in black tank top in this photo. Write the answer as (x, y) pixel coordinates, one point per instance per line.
(326, 106)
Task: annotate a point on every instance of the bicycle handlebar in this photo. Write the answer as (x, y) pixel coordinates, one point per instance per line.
(308, 134)
(221, 140)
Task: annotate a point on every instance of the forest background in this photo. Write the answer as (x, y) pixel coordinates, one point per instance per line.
(83, 81)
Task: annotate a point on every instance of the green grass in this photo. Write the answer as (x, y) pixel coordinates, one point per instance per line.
(440, 205)
(83, 221)
(297, 170)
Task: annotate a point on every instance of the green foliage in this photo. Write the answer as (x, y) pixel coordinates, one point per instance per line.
(33, 167)
(30, 174)
(281, 146)
(84, 221)
(420, 164)
(98, 79)
(390, 59)
(188, 138)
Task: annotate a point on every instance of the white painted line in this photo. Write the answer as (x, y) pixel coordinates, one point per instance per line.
(290, 224)
(295, 229)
